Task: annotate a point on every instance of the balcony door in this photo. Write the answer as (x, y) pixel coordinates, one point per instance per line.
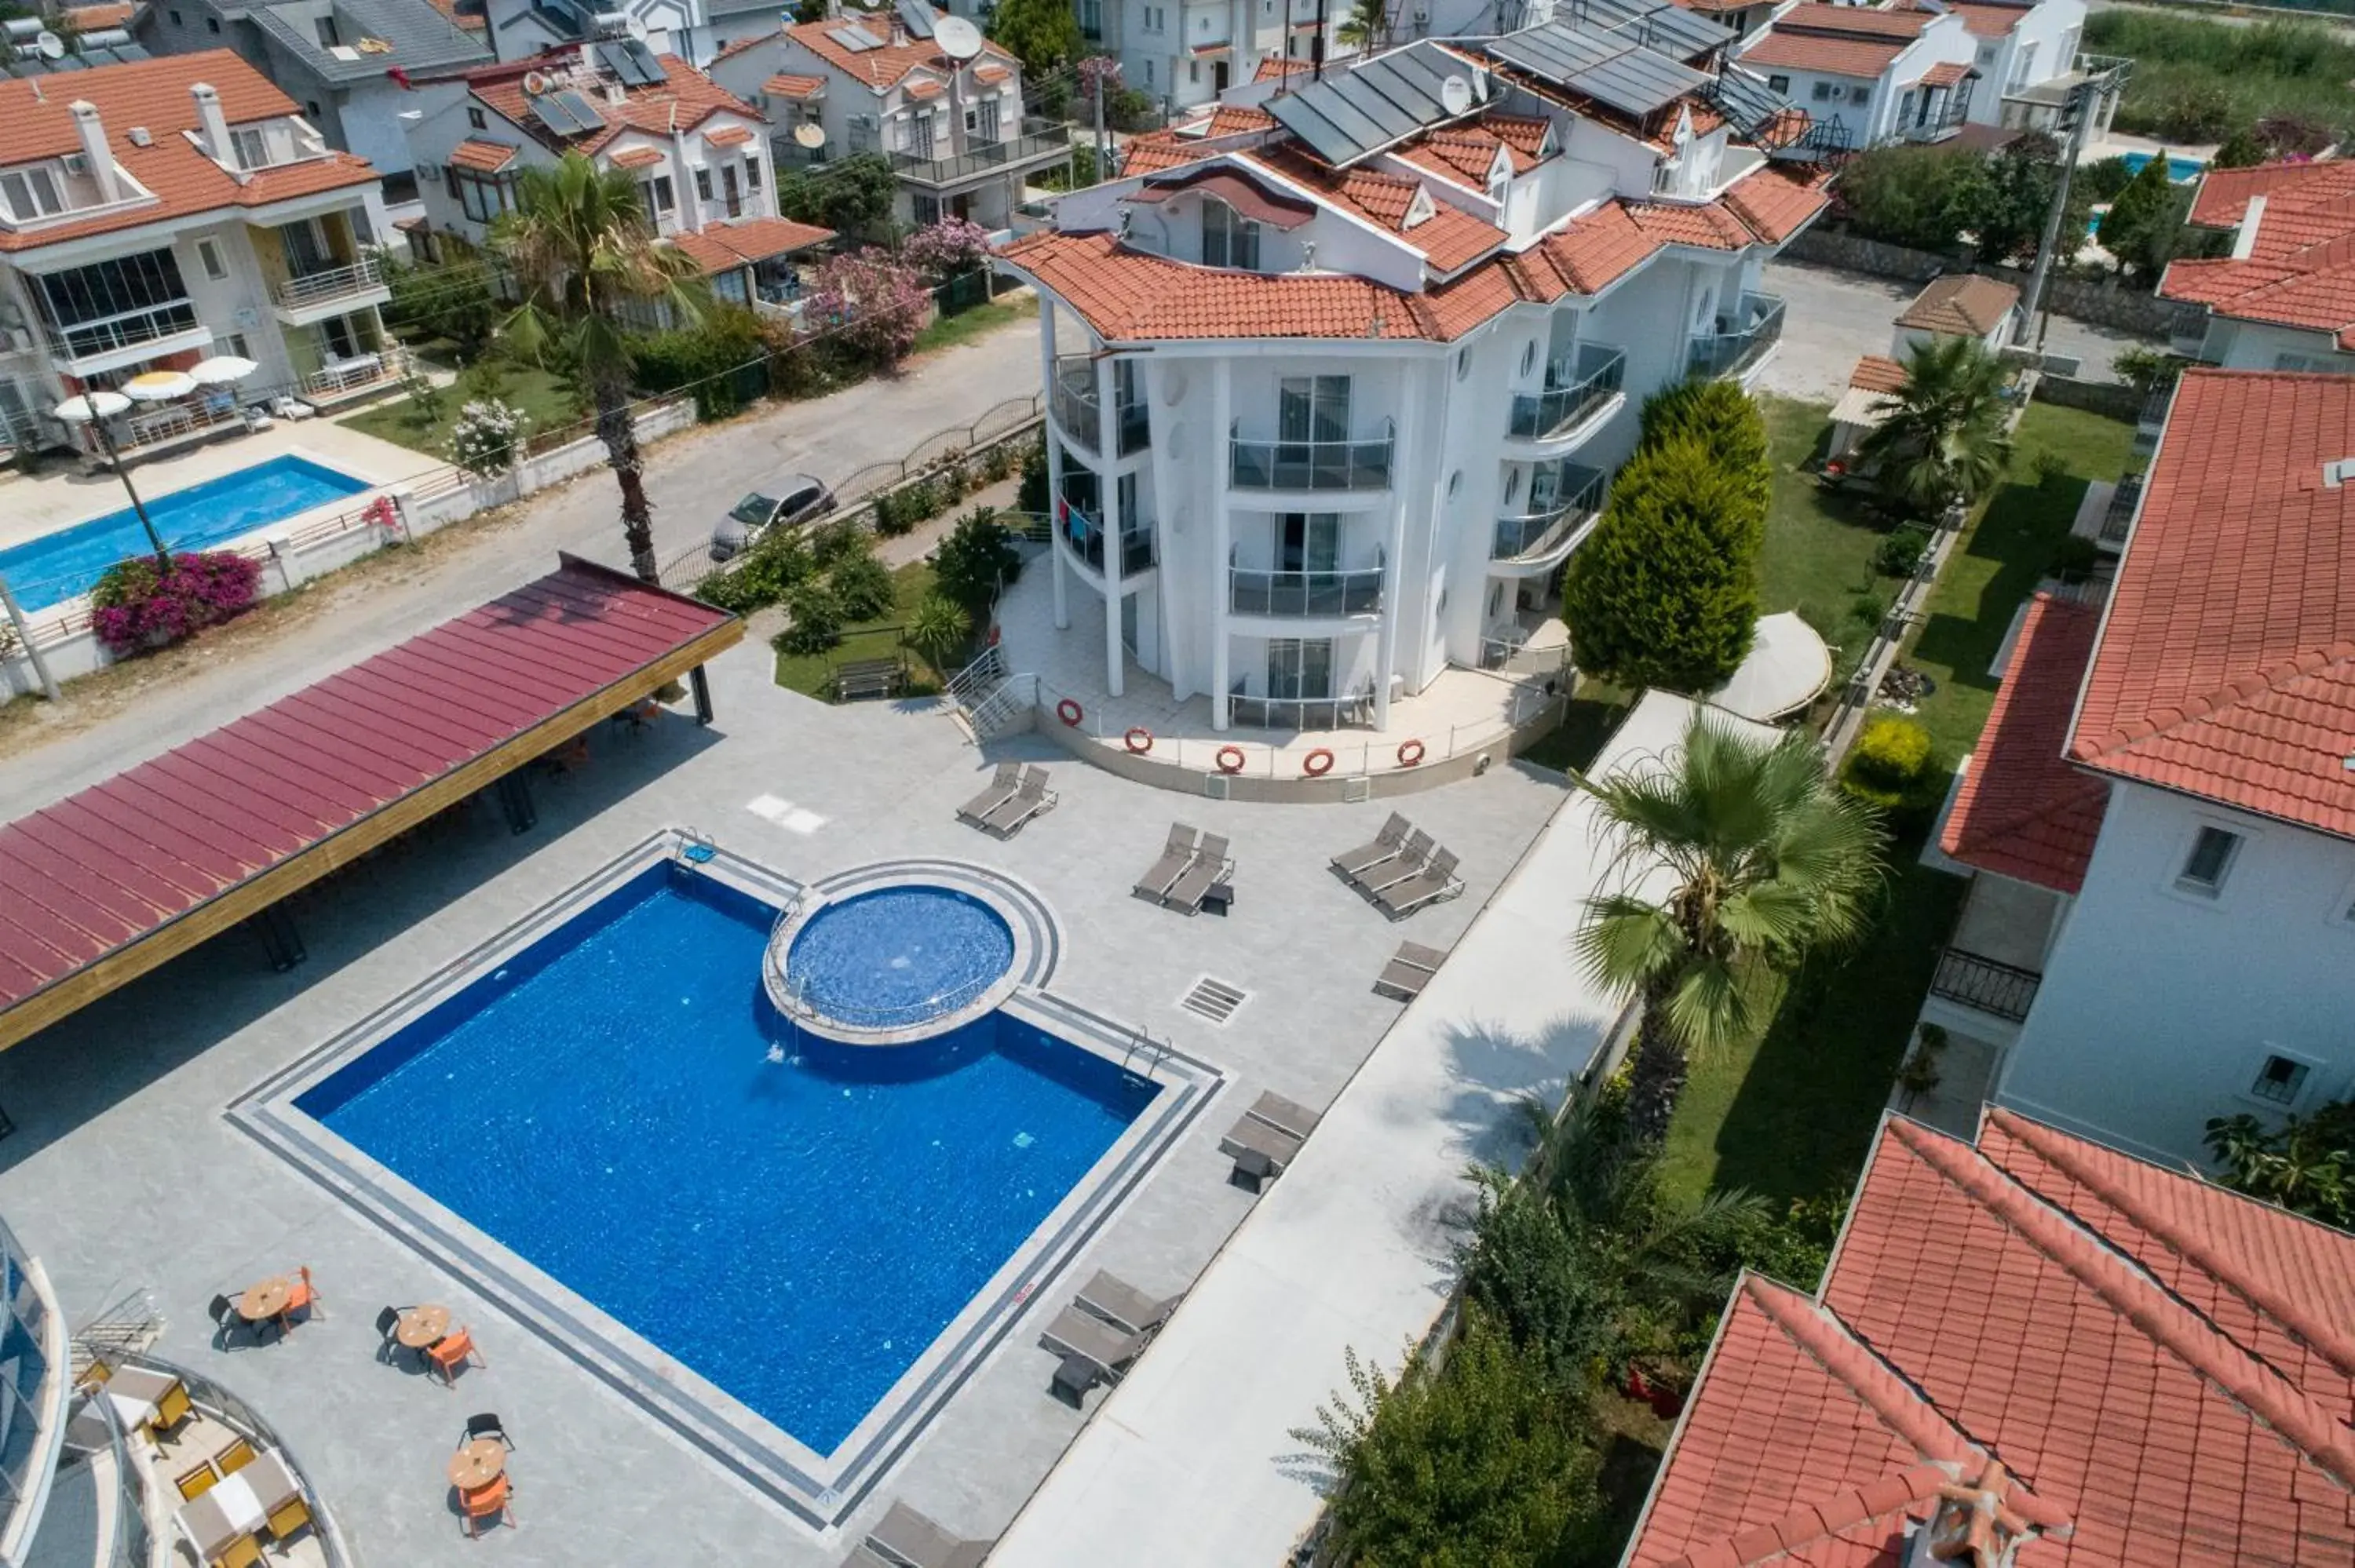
(730, 191)
(306, 248)
(1308, 542)
(1545, 486)
(1299, 668)
(1313, 408)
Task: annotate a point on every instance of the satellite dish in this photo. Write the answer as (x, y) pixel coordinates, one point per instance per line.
(535, 82)
(958, 38)
(52, 46)
(810, 136)
(1456, 94)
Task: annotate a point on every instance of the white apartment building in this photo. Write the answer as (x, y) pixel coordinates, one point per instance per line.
(2028, 60)
(1333, 398)
(2162, 811)
(2284, 298)
(694, 31)
(156, 213)
(700, 157)
(951, 128)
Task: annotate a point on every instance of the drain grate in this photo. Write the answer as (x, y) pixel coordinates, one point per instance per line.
(1214, 1000)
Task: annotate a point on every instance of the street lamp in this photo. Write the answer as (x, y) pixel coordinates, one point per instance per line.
(94, 409)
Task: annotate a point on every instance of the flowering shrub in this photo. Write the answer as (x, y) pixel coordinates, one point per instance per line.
(871, 302)
(488, 438)
(949, 248)
(135, 609)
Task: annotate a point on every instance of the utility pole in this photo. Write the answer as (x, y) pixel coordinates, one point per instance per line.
(1102, 164)
(32, 649)
(2084, 106)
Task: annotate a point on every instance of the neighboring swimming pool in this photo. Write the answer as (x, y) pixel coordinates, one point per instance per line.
(2178, 169)
(56, 567)
(794, 1221)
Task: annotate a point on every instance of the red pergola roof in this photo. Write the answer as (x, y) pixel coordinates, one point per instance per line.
(101, 873)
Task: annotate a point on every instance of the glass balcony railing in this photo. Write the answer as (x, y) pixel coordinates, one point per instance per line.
(1077, 408)
(1535, 532)
(1087, 541)
(1738, 340)
(1575, 387)
(1038, 140)
(126, 330)
(1348, 464)
(1252, 590)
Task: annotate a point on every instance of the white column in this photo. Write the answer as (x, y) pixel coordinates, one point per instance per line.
(1054, 455)
(1222, 536)
(1108, 503)
(1409, 426)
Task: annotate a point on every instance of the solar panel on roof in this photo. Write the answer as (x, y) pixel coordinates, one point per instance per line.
(622, 64)
(1352, 114)
(858, 40)
(866, 39)
(581, 109)
(1638, 83)
(1746, 100)
(646, 60)
(1556, 52)
(916, 16)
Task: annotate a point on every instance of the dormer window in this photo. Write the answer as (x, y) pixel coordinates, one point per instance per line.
(329, 38)
(251, 146)
(1227, 240)
(32, 193)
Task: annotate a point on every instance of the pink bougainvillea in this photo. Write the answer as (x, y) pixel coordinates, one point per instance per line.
(868, 302)
(135, 609)
(949, 248)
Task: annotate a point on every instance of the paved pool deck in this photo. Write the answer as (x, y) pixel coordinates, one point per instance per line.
(123, 1172)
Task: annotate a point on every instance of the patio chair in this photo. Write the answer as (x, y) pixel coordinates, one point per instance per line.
(486, 1425)
(1408, 862)
(1176, 855)
(1259, 1150)
(288, 1517)
(234, 1457)
(1032, 799)
(194, 1482)
(387, 1323)
(1436, 881)
(1290, 1117)
(1000, 790)
(303, 1298)
(172, 1407)
(908, 1538)
(245, 1552)
(1091, 1350)
(1210, 867)
(451, 1351)
(495, 1502)
(1405, 975)
(1365, 857)
(1123, 1305)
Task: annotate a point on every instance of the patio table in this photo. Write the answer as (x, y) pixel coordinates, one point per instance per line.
(477, 1464)
(422, 1325)
(266, 1299)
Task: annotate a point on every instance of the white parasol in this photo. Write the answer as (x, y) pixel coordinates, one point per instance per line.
(221, 369)
(159, 385)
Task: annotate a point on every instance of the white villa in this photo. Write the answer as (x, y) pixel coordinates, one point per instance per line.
(154, 213)
(2162, 811)
(1336, 384)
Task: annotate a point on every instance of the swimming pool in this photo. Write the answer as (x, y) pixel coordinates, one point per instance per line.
(2178, 169)
(898, 955)
(795, 1221)
(56, 567)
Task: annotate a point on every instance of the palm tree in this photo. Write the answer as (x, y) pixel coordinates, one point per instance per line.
(1363, 27)
(1942, 438)
(1763, 860)
(580, 244)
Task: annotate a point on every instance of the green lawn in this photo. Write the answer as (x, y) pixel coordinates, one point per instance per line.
(546, 401)
(811, 674)
(1595, 709)
(964, 326)
(2190, 68)
(1819, 543)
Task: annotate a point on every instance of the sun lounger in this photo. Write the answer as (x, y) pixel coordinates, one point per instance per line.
(1032, 799)
(1210, 867)
(1436, 881)
(1408, 862)
(1259, 1150)
(1365, 857)
(1123, 1305)
(864, 1556)
(907, 1537)
(1091, 1350)
(1287, 1116)
(1001, 790)
(1405, 975)
(1176, 855)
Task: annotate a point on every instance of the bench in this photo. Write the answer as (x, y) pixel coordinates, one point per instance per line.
(868, 678)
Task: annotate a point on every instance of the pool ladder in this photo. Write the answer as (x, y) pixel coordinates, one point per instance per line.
(695, 845)
(1140, 1044)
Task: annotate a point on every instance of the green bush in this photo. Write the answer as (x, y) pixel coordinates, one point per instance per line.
(897, 511)
(974, 558)
(1889, 763)
(780, 563)
(1901, 553)
(721, 358)
(861, 586)
(1666, 591)
(1032, 495)
(817, 619)
(836, 540)
(939, 628)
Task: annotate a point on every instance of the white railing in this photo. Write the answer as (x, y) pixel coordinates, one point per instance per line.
(363, 276)
(389, 364)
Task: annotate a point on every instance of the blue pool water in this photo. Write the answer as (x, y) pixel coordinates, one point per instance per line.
(897, 955)
(796, 1230)
(58, 566)
(2178, 169)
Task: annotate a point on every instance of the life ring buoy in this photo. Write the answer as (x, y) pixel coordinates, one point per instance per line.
(1409, 752)
(1317, 763)
(1138, 739)
(1069, 712)
(994, 635)
(1230, 760)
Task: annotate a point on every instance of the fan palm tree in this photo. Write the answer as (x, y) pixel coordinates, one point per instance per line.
(1736, 858)
(1363, 27)
(1941, 437)
(581, 246)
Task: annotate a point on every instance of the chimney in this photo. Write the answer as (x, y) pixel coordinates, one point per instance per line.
(94, 150)
(589, 60)
(213, 125)
(898, 28)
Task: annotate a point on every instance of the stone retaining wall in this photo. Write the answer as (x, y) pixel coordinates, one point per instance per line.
(2104, 304)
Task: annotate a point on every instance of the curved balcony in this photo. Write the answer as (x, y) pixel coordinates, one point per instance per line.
(1740, 339)
(1333, 595)
(1537, 541)
(1576, 390)
(1331, 464)
(1077, 408)
(1086, 542)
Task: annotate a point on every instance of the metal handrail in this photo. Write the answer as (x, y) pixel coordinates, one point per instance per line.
(1535, 532)
(1084, 539)
(1038, 139)
(133, 327)
(1252, 591)
(359, 277)
(1077, 409)
(1355, 711)
(2120, 518)
(1597, 373)
(1361, 463)
(1984, 984)
(1730, 349)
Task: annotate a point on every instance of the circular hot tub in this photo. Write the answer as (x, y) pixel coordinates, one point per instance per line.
(892, 954)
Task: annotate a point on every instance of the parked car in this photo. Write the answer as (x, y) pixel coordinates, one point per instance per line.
(799, 499)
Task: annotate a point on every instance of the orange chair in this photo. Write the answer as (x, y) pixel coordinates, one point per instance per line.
(495, 1502)
(451, 1352)
(303, 1298)
(194, 1483)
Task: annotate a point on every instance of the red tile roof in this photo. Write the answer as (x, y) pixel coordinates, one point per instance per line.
(2227, 663)
(35, 122)
(1776, 202)
(726, 245)
(1148, 155)
(883, 68)
(632, 158)
(1854, 21)
(1244, 188)
(1946, 73)
(800, 89)
(1449, 237)
(95, 19)
(2299, 270)
(2024, 811)
(1464, 154)
(1878, 372)
(684, 100)
(1960, 304)
(1229, 120)
(489, 157)
(1983, 20)
(729, 135)
(1275, 67)
(1862, 58)
(1127, 296)
(2157, 1363)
